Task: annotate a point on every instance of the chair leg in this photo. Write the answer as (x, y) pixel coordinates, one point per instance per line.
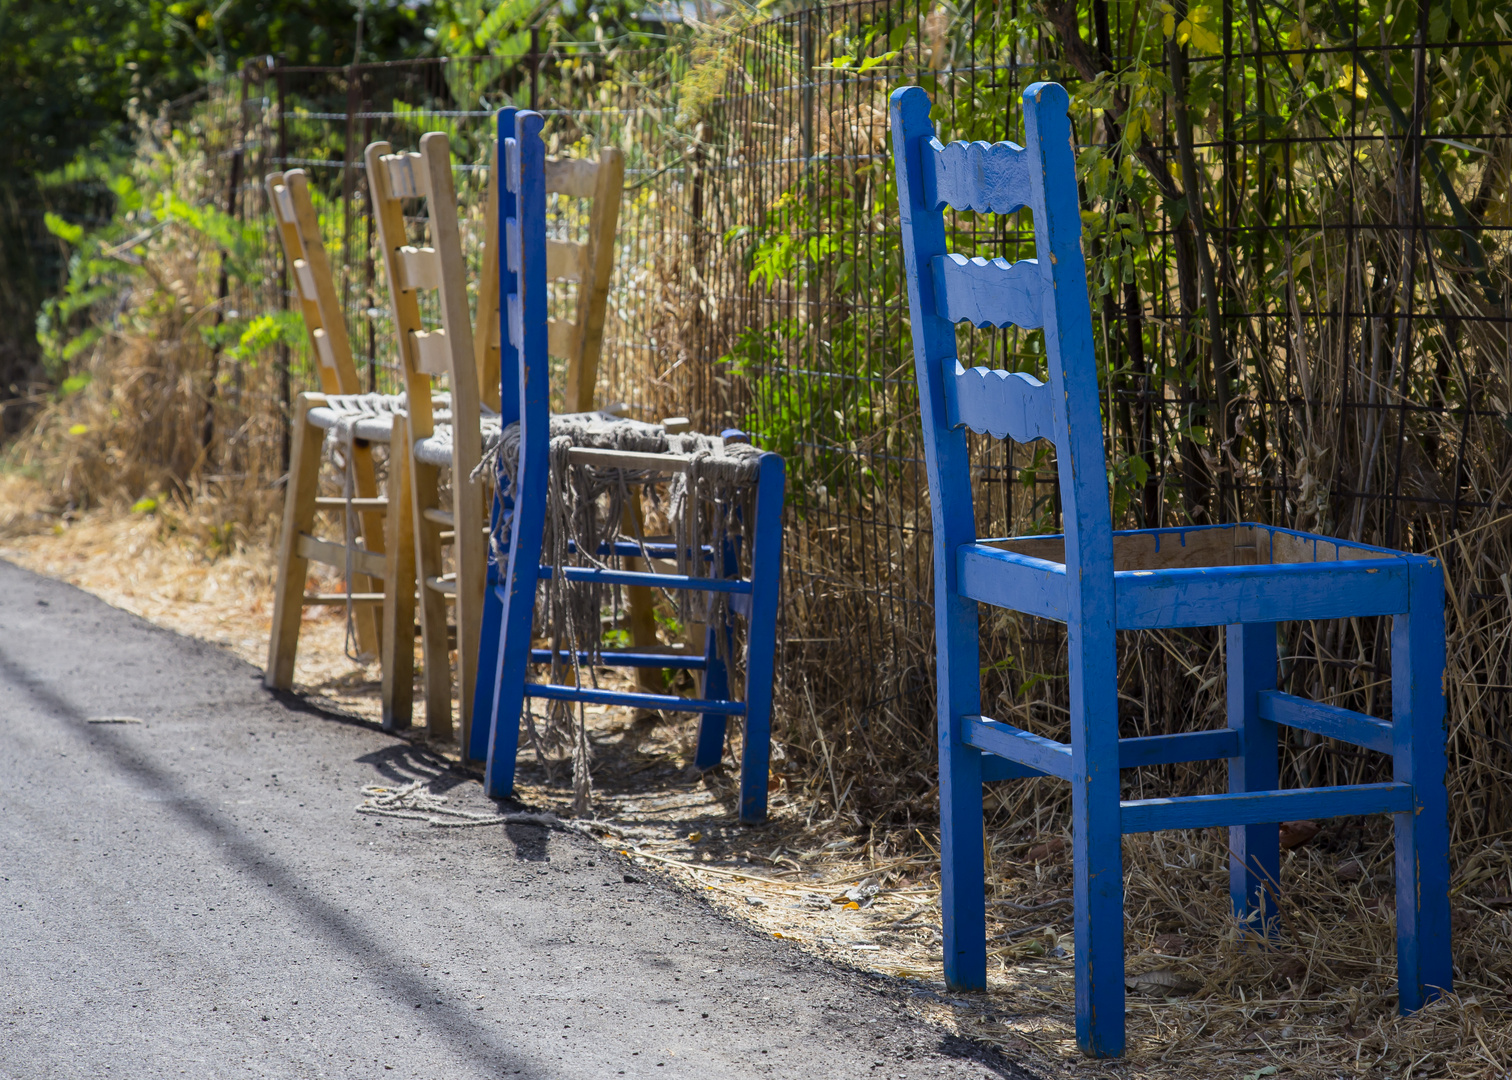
(368, 622)
(716, 686)
(761, 641)
(1424, 961)
(470, 549)
(641, 603)
(1254, 850)
(424, 485)
(1097, 847)
(299, 517)
(485, 691)
(519, 576)
(398, 637)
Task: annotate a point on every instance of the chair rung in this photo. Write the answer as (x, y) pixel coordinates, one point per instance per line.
(636, 658)
(629, 459)
(588, 574)
(1046, 755)
(664, 702)
(630, 549)
(446, 584)
(1259, 807)
(335, 599)
(331, 553)
(438, 517)
(327, 502)
(1053, 758)
(1330, 720)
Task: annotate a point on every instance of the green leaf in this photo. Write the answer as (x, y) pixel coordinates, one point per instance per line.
(69, 234)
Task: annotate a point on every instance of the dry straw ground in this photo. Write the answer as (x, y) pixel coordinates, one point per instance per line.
(1205, 998)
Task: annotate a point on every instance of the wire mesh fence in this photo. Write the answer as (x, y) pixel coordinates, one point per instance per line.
(1296, 223)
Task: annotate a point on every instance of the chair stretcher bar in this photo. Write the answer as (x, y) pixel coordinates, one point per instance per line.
(1330, 720)
(1262, 807)
(1052, 758)
(640, 577)
(664, 702)
(628, 658)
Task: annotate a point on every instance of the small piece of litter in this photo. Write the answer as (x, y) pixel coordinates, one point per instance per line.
(869, 948)
(113, 720)
(755, 901)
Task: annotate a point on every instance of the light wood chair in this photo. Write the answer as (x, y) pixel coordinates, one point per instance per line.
(470, 361)
(367, 530)
(433, 444)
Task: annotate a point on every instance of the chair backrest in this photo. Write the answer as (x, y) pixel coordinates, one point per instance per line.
(447, 351)
(589, 264)
(1048, 292)
(304, 251)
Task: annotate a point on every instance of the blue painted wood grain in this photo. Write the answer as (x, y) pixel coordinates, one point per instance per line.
(621, 658)
(1330, 720)
(1046, 755)
(1206, 811)
(1254, 848)
(525, 175)
(989, 178)
(1177, 747)
(1004, 404)
(989, 292)
(1425, 968)
(1281, 592)
(485, 689)
(636, 700)
(520, 524)
(924, 177)
(1008, 579)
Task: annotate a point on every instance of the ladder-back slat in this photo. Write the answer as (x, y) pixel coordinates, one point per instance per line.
(419, 268)
(561, 338)
(564, 260)
(989, 178)
(576, 177)
(431, 352)
(406, 176)
(1003, 404)
(987, 292)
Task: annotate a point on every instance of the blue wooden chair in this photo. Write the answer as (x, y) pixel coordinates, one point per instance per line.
(1246, 577)
(506, 649)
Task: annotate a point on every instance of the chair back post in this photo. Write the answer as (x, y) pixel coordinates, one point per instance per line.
(952, 514)
(525, 397)
(1087, 521)
(487, 333)
(471, 549)
(310, 273)
(404, 304)
(593, 290)
(1049, 292)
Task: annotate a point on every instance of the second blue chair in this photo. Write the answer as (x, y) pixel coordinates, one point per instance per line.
(1244, 576)
(519, 524)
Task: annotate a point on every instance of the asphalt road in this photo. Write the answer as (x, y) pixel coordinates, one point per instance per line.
(194, 895)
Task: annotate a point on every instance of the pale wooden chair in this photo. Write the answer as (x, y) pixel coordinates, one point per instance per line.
(471, 363)
(427, 447)
(361, 553)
